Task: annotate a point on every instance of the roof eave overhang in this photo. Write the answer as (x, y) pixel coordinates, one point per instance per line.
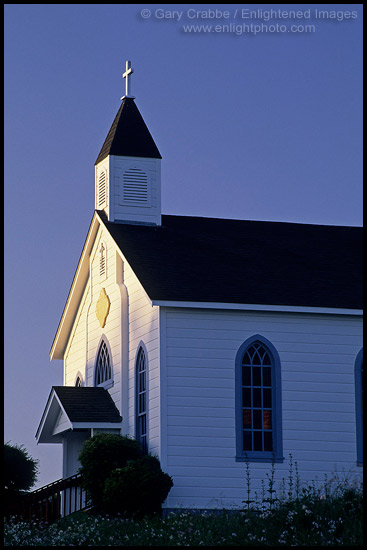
(257, 307)
(46, 430)
(95, 425)
(49, 432)
(75, 294)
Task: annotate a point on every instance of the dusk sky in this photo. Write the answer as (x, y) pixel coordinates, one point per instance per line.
(256, 111)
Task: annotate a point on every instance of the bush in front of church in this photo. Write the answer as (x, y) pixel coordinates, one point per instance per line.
(100, 455)
(20, 474)
(138, 489)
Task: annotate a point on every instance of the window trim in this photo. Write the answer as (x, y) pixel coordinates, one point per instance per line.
(109, 382)
(359, 406)
(260, 456)
(142, 347)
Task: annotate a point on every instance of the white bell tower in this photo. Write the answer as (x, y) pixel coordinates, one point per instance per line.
(128, 167)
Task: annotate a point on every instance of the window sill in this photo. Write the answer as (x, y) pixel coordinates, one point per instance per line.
(106, 385)
(269, 460)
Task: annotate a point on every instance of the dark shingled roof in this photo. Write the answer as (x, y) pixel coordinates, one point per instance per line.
(129, 135)
(245, 262)
(84, 404)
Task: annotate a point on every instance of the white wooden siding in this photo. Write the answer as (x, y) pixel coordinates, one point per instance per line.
(62, 423)
(143, 327)
(75, 355)
(317, 355)
(112, 329)
(86, 332)
(142, 320)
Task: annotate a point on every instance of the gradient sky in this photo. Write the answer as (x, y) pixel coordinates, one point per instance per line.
(260, 127)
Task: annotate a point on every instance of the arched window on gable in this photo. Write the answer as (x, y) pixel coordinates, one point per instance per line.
(103, 368)
(141, 403)
(358, 373)
(78, 380)
(258, 402)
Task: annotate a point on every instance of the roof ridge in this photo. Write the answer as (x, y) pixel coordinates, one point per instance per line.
(259, 221)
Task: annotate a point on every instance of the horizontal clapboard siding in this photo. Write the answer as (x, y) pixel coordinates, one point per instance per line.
(143, 326)
(111, 332)
(317, 354)
(75, 356)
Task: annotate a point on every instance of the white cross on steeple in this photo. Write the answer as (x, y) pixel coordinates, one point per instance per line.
(126, 75)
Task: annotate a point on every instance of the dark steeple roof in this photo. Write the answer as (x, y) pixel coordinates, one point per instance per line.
(129, 135)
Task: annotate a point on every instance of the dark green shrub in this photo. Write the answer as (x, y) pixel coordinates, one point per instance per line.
(138, 489)
(20, 474)
(100, 455)
(20, 469)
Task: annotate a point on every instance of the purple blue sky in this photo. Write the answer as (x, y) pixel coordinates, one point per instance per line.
(264, 126)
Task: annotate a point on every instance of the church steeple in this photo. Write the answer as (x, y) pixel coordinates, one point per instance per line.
(128, 167)
(129, 135)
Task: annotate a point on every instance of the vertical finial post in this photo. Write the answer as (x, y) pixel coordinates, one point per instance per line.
(127, 75)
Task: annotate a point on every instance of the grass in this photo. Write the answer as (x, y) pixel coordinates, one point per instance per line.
(335, 520)
(311, 516)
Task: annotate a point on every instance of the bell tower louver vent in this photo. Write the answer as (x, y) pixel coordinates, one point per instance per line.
(102, 189)
(135, 186)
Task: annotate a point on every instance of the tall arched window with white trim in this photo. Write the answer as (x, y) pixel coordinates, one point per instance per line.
(103, 368)
(258, 402)
(141, 420)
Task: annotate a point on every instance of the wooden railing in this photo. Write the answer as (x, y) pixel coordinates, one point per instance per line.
(53, 501)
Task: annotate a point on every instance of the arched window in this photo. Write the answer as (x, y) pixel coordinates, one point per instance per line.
(142, 398)
(358, 373)
(78, 382)
(258, 402)
(103, 369)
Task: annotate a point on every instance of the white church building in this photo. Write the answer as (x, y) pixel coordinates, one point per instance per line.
(211, 341)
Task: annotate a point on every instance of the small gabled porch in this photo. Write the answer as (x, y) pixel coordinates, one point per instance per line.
(72, 415)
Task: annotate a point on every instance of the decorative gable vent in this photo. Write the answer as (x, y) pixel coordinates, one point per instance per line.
(102, 260)
(135, 186)
(102, 191)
